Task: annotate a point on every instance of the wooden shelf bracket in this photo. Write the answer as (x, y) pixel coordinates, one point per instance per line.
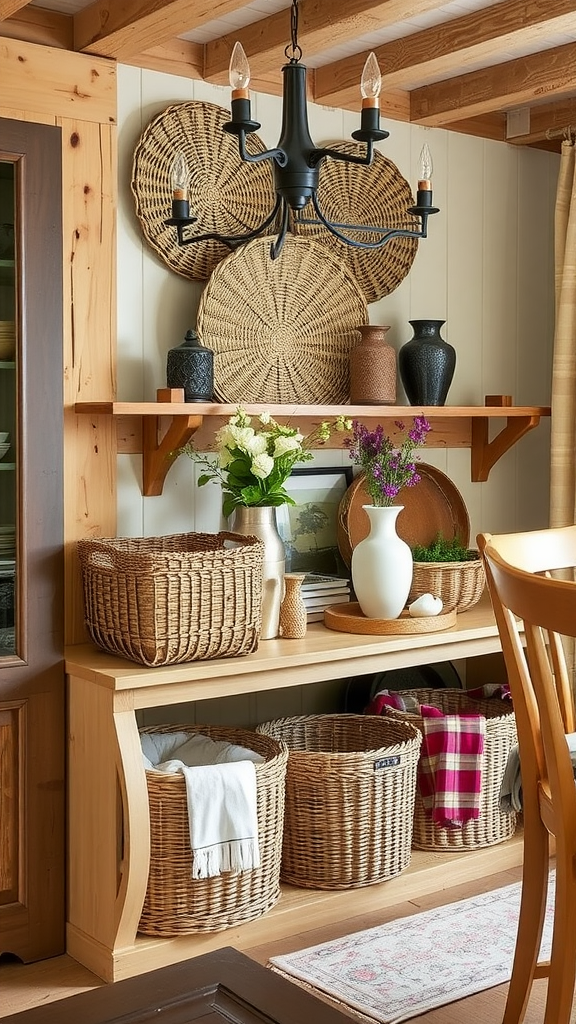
(485, 453)
(158, 456)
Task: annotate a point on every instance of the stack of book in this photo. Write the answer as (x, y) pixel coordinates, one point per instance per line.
(319, 592)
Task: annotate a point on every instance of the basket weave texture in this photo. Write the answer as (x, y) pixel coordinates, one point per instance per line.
(281, 330)
(492, 826)
(176, 903)
(459, 584)
(365, 194)
(181, 597)
(350, 789)
(228, 196)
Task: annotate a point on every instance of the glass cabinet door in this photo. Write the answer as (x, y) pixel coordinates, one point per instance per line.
(32, 722)
(8, 391)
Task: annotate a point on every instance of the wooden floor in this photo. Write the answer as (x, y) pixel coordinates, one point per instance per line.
(22, 986)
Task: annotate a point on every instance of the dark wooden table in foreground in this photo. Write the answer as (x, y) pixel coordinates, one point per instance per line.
(223, 986)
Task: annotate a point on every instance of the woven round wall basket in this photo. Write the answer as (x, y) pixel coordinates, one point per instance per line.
(227, 195)
(281, 330)
(376, 194)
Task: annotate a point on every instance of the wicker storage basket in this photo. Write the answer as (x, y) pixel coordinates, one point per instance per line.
(350, 788)
(164, 600)
(459, 584)
(176, 903)
(492, 826)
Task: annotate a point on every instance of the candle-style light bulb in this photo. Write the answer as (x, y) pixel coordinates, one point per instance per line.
(425, 168)
(179, 176)
(371, 82)
(239, 72)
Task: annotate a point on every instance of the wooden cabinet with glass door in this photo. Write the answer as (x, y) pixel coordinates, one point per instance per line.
(31, 543)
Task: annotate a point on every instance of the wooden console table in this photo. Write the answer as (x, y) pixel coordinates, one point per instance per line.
(109, 836)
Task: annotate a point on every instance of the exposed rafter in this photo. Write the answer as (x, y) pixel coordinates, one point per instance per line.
(467, 72)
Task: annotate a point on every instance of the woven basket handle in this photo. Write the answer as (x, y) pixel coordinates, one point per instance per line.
(100, 556)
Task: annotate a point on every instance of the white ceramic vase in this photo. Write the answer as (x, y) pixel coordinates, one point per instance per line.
(382, 565)
(260, 521)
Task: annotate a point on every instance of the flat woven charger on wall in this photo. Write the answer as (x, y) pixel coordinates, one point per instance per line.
(281, 330)
(227, 195)
(376, 194)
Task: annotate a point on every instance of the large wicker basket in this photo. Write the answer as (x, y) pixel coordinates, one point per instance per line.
(350, 788)
(164, 600)
(176, 903)
(458, 584)
(492, 826)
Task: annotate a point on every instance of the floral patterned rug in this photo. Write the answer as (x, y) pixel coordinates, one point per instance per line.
(398, 970)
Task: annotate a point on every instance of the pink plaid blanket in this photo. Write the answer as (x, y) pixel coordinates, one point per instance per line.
(450, 766)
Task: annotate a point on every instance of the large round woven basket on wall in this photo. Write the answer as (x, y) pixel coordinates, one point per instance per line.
(492, 826)
(350, 788)
(228, 196)
(376, 194)
(282, 330)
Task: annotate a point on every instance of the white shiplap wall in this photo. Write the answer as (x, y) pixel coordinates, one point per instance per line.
(486, 268)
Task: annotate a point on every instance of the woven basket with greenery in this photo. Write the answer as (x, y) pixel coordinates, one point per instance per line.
(449, 571)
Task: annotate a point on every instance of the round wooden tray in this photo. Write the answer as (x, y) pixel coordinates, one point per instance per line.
(347, 618)
(434, 506)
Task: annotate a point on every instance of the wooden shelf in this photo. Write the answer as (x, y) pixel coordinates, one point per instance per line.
(159, 429)
(110, 847)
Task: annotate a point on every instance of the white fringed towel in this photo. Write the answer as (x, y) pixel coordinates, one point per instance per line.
(221, 795)
(223, 818)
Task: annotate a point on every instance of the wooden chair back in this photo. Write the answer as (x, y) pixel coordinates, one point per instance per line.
(533, 610)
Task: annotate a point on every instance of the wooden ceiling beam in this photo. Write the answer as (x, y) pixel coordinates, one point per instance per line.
(110, 29)
(500, 87)
(455, 45)
(9, 7)
(37, 25)
(322, 24)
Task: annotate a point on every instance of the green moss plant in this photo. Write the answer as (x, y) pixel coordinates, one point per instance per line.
(443, 550)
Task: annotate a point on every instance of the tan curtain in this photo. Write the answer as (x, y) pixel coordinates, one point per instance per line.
(563, 424)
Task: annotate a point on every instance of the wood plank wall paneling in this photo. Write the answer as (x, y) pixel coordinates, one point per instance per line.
(78, 92)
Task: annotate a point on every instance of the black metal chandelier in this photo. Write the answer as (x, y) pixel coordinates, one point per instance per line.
(297, 161)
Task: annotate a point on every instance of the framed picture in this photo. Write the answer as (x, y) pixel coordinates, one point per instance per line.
(309, 528)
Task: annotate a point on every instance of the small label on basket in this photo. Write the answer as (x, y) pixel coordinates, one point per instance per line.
(386, 762)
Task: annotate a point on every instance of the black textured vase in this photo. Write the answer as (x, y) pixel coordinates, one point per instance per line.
(426, 364)
(191, 366)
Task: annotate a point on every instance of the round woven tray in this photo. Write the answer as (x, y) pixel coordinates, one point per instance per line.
(376, 194)
(350, 789)
(492, 826)
(348, 618)
(281, 330)
(227, 195)
(176, 903)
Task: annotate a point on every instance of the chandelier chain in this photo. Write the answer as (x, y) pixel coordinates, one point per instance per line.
(293, 51)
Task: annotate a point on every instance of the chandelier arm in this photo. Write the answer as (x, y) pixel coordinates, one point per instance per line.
(256, 158)
(231, 240)
(276, 245)
(386, 233)
(348, 158)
